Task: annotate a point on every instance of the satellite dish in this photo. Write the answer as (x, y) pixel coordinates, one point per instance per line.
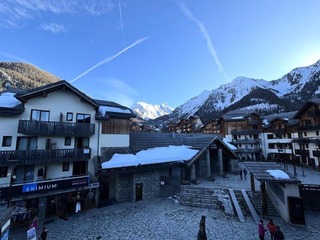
(7, 85)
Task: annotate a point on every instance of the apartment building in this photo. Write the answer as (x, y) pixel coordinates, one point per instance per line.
(278, 132)
(307, 141)
(51, 139)
(242, 128)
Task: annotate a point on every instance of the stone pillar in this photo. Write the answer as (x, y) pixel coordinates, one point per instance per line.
(97, 197)
(264, 199)
(208, 164)
(253, 188)
(220, 161)
(193, 172)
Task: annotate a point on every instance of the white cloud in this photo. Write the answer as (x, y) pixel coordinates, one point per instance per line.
(53, 27)
(16, 12)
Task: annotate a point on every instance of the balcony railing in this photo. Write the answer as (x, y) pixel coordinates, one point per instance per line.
(315, 113)
(309, 127)
(253, 122)
(45, 156)
(55, 128)
(245, 132)
(302, 152)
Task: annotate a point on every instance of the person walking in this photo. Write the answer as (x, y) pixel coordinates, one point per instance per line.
(34, 223)
(245, 172)
(261, 230)
(240, 173)
(278, 235)
(272, 228)
(44, 234)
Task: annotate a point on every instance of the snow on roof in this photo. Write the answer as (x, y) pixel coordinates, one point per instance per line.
(232, 147)
(7, 100)
(151, 156)
(278, 174)
(239, 117)
(104, 109)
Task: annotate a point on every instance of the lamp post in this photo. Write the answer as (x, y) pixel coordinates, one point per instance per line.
(12, 178)
(293, 159)
(317, 148)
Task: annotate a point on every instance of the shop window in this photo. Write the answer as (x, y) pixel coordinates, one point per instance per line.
(67, 141)
(69, 116)
(6, 141)
(39, 115)
(65, 167)
(3, 172)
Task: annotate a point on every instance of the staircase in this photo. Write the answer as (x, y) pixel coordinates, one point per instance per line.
(256, 199)
(196, 196)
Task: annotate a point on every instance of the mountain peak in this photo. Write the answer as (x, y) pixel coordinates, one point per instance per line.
(149, 111)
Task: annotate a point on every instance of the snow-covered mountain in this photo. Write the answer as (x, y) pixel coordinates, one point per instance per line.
(287, 93)
(148, 111)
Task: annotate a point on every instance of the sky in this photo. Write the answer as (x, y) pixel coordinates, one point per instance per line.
(159, 51)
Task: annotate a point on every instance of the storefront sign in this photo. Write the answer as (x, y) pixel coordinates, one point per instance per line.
(45, 186)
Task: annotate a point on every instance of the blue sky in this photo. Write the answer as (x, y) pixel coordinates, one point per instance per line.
(159, 51)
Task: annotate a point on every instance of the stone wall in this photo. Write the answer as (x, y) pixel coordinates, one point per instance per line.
(150, 184)
(124, 188)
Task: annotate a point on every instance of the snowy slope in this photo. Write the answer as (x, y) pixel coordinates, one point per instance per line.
(148, 111)
(292, 90)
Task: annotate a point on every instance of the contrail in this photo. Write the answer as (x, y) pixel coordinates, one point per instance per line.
(110, 58)
(206, 36)
(121, 22)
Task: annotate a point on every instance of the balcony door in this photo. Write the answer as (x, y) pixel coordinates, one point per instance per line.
(81, 142)
(26, 143)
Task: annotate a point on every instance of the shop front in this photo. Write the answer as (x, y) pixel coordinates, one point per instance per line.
(45, 199)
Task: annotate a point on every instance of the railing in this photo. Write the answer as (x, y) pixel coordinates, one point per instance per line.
(55, 128)
(245, 132)
(309, 127)
(315, 113)
(45, 156)
(253, 122)
(302, 152)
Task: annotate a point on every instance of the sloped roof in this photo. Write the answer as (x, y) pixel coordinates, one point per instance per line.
(236, 115)
(306, 106)
(259, 170)
(112, 109)
(145, 140)
(287, 116)
(43, 90)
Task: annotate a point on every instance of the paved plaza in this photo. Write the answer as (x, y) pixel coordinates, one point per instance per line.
(164, 218)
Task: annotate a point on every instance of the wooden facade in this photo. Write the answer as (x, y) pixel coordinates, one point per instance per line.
(116, 126)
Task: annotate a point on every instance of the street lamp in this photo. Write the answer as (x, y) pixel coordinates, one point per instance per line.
(317, 148)
(293, 159)
(12, 178)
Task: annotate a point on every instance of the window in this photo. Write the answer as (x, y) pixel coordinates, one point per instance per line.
(317, 133)
(305, 133)
(69, 116)
(3, 172)
(65, 167)
(67, 141)
(83, 118)
(26, 143)
(24, 173)
(6, 141)
(39, 115)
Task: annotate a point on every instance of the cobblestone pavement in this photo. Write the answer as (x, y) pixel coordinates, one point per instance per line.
(161, 218)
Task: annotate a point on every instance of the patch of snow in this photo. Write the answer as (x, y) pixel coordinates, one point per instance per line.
(104, 109)
(7, 100)
(151, 156)
(278, 174)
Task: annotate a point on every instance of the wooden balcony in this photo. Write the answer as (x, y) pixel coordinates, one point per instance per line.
(313, 127)
(55, 128)
(253, 122)
(302, 152)
(44, 156)
(245, 132)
